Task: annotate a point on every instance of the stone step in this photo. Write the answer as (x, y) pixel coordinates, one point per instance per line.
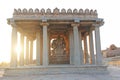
(38, 70)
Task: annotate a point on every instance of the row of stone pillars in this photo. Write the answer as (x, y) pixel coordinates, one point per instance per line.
(81, 55)
(40, 58)
(85, 42)
(29, 52)
(76, 51)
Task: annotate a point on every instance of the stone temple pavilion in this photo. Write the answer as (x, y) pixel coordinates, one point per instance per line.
(63, 37)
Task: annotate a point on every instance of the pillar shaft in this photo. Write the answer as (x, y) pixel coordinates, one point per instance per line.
(91, 47)
(41, 48)
(13, 62)
(85, 49)
(27, 51)
(45, 45)
(22, 50)
(81, 50)
(98, 46)
(71, 47)
(31, 51)
(76, 45)
(38, 48)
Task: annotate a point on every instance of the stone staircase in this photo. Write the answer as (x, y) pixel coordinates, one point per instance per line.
(55, 69)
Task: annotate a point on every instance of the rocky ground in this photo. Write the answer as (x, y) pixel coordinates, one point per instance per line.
(114, 74)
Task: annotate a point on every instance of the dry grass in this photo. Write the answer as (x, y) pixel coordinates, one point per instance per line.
(4, 64)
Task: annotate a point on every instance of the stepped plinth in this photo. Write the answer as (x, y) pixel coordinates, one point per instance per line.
(56, 69)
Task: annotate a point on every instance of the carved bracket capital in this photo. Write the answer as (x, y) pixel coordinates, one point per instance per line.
(44, 24)
(98, 25)
(75, 24)
(12, 23)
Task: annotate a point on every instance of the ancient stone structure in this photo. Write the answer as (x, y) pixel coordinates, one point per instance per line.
(112, 51)
(112, 55)
(62, 36)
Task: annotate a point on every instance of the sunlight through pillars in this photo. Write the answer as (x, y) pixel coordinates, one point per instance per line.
(18, 49)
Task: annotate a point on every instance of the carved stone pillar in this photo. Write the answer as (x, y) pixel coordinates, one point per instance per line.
(38, 48)
(71, 47)
(27, 51)
(99, 56)
(91, 46)
(86, 60)
(45, 43)
(41, 47)
(22, 50)
(31, 51)
(13, 62)
(81, 50)
(77, 53)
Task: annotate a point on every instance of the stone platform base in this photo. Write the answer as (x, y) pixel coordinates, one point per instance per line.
(55, 69)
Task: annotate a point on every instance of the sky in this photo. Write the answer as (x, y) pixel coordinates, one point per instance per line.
(107, 9)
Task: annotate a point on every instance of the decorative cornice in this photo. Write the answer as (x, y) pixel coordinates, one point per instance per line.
(56, 11)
